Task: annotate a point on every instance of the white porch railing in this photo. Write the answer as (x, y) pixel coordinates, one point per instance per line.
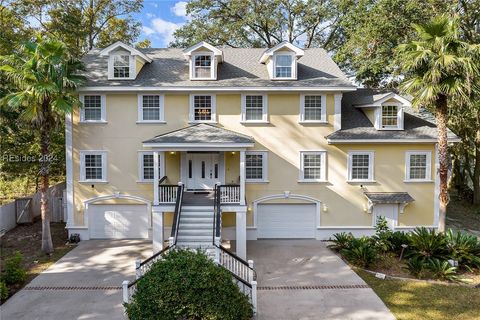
(230, 194)
(168, 193)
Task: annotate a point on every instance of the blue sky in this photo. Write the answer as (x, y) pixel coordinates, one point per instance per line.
(160, 18)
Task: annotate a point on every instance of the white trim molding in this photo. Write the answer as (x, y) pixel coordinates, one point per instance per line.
(387, 141)
(213, 109)
(323, 108)
(284, 44)
(286, 195)
(264, 155)
(103, 155)
(436, 196)
(126, 47)
(379, 117)
(132, 66)
(103, 108)
(244, 108)
(371, 165)
(161, 109)
(161, 164)
(428, 168)
(293, 65)
(337, 101)
(323, 166)
(214, 89)
(213, 65)
(69, 168)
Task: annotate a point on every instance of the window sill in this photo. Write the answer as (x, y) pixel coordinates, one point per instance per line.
(254, 122)
(202, 79)
(151, 122)
(257, 181)
(93, 122)
(280, 79)
(93, 181)
(361, 181)
(312, 181)
(202, 121)
(144, 181)
(390, 129)
(113, 78)
(313, 122)
(418, 181)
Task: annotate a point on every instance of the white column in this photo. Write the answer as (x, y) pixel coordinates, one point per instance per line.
(69, 167)
(241, 234)
(156, 178)
(242, 178)
(157, 231)
(338, 112)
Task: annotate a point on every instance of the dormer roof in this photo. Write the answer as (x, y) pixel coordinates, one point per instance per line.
(282, 45)
(216, 52)
(376, 100)
(119, 44)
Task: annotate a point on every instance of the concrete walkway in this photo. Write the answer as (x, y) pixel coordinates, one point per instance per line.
(84, 284)
(303, 279)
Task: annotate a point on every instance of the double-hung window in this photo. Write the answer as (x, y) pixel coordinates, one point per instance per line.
(254, 108)
(256, 166)
(390, 117)
(202, 66)
(150, 108)
(360, 166)
(202, 108)
(313, 108)
(146, 165)
(121, 66)
(312, 166)
(418, 166)
(93, 109)
(283, 66)
(93, 166)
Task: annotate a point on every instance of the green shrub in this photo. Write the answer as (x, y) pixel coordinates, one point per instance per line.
(427, 244)
(397, 239)
(361, 252)
(3, 291)
(188, 285)
(464, 248)
(381, 239)
(342, 241)
(442, 270)
(14, 272)
(416, 266)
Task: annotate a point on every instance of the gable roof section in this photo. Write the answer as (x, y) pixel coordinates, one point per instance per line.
(200, 134)
(202, 44)
(240, 69)
(389, 197)
(357, 128)
(122, 45)
(376, 100)
(284, 44)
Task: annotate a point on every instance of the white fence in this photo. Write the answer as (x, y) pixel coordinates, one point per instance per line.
(55, 194)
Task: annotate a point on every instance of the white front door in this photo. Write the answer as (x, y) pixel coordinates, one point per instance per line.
(202, 170)
(388, 211)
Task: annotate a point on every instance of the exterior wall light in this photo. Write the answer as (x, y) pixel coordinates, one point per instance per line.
(325, 208)
(172, 152)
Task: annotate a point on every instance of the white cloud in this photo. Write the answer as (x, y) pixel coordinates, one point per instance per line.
(150, 15)
(148, 31)
(180, 9)
(163, 29)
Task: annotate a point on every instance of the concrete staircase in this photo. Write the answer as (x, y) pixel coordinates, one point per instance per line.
(195, 229)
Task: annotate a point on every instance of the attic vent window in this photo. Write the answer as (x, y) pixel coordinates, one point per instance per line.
(283, 66)
(203, 67)
(121, 66)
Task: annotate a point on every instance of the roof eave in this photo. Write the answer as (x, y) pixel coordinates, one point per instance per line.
(389, 141)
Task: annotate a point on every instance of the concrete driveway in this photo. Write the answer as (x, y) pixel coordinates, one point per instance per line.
(303, 279)
(84, 284)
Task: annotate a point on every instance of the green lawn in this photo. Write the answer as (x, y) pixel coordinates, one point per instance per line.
(411, 300)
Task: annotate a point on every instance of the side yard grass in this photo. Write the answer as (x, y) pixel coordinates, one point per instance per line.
(27, 240)
(413, 300)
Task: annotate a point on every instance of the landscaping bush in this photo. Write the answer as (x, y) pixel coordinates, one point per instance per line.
(464, 248)
(342, 241)
(397, 239)
(14, 272)
(416, 266)
(427, 244)
(442, 270)
(382, 236)
(360, 252)
(3, 291)
(188, 285)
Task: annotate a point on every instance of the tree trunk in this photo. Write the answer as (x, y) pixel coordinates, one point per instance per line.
(442, 120)
(47, 244)
(476, 174)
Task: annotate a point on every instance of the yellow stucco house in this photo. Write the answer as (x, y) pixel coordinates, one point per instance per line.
(277, 141)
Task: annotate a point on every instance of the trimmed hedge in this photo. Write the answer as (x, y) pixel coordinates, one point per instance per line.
(188, 285)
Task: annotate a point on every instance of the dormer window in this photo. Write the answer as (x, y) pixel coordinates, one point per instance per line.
(202, 68)
(121, 66)
(390, 117)
(283, 66)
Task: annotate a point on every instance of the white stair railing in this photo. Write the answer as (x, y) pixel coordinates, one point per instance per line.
(229, 194)
(168, 193)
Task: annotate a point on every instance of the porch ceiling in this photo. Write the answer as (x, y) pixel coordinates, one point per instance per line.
(201, 135)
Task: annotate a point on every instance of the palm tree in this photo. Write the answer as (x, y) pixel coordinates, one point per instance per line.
(438, 69)
(43, 77)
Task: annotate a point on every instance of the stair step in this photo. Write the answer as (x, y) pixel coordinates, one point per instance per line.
(196, 220)
(197, 208)
(207, 246)
(194, 232)
(196, 215)
(195, 226)
(195, 238)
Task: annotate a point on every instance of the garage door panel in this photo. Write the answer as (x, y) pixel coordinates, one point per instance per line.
(118, 221)
(286, 221)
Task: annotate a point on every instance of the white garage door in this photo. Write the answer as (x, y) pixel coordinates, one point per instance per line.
(286, 221)
(118, 221)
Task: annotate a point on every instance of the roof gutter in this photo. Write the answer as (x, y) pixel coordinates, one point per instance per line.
(211, 89)
(384, 141)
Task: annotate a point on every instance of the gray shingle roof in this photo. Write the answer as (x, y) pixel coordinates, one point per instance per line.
(202, 133)
(241, 68)
(389, 197)
(356, 125)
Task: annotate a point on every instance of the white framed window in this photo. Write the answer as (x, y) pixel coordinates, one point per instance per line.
(202, 108)
(150, 108)
(284, 66)
(202, 66)
(313, 166)
(254, 108)
(313, 108)
(121, 66)
(93, 108)
(418, 166)
(389, 117)
(256, 166)
(93, 166)
(146, 166)
(360, 166)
